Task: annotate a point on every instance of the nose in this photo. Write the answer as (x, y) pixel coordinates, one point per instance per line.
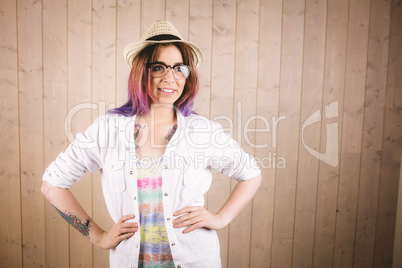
(169, 76)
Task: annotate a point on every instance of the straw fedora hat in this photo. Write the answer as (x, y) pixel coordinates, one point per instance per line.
(161, 31)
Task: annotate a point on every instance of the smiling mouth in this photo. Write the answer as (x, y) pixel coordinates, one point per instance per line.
(167, 90)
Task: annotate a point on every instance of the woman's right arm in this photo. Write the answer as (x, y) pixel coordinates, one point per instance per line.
(68, 207)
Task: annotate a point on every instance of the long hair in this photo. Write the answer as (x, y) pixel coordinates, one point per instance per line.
(140, 95)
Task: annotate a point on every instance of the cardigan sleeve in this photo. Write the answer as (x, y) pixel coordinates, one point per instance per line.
(82, 155)
(226, 156)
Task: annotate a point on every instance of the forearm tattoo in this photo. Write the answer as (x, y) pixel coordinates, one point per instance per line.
(83, 228)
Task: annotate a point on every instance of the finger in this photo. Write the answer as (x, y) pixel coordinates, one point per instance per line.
(192, 221)
(183, 218)
(192, 228)
(125, 236)
(127, 230)
(130, 227)
(192, 214)
(126, 218)
(129, 224)
(186, 210)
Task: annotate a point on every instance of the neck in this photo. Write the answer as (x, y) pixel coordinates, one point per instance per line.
(160, 114)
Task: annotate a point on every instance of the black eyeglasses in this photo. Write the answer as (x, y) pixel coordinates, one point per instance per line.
(158, 69)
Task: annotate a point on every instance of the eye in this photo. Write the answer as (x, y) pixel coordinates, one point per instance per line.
(184, 70)
(158, 68)
(178, 68)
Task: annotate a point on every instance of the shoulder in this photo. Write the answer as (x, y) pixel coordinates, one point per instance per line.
(202, 132)
(113, 120)
(195, 121)
(109, 124)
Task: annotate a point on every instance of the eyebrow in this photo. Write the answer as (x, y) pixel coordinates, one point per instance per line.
(176, 64)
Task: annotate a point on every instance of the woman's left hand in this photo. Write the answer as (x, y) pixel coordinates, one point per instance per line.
(197, 217)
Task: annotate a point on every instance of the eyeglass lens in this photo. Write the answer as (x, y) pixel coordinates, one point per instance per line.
(179, 71)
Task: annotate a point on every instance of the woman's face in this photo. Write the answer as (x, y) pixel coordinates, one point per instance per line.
(168, 89)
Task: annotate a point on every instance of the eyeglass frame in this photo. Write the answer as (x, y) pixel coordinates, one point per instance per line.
(166, 70)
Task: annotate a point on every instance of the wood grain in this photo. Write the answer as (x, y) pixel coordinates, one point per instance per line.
(222, 87)
(245, 100)
(311, 102)
(268, 66)
(397, 258)
(288, 131)
(391, 146)
(151, 11)
(374, 106)
(128, 31)
(269, 56)
(55, 110)
(79, 101)
(10, 177)
(200, 33)
(353, 109)
(334, 87)
(103, 95)
(178, 13)
(31, 131)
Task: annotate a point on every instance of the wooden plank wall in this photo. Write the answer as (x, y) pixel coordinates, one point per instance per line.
(317, 83)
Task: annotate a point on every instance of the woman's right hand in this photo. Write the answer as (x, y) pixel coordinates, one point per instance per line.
(119, 231)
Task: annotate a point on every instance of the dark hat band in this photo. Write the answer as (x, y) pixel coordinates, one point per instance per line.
(163, 37)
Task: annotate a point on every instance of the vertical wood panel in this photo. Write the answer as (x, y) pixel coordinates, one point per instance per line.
(103, 94)
(312, 92)
(246, 70)
(55, 110)
(31, 131)
(200, 33)
(288, 131)
(222, 86)
(151, 10)
(10, 197)
(270, 33)
(178, 13)
(334, 84)
(392, 144)
(397, 257)
(79, 98)
(359, 14)
(266, 57)
(128, 31)
(377, 64)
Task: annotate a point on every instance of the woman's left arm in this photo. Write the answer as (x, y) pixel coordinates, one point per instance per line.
(199, 217)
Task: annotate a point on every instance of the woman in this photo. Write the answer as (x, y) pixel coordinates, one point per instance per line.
(155, 154)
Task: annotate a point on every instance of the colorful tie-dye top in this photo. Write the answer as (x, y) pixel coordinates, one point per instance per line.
(154, 246)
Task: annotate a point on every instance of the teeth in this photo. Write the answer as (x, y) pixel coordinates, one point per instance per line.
(167, 90)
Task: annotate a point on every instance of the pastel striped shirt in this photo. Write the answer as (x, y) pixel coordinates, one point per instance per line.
(154, 245)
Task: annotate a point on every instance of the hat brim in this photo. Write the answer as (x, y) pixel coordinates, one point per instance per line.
(131, 50)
